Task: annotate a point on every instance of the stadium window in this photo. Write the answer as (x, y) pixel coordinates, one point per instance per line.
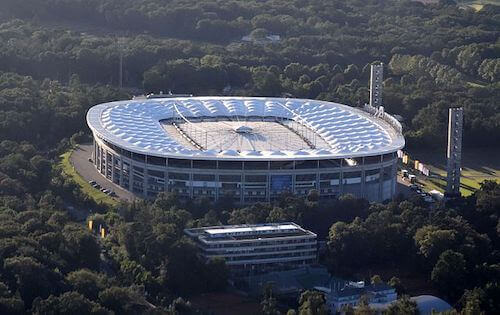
(388, 157)
(230, 165)
(330, 163)
(305, 177)
(256, 178)
(254, 165)
(204, 177)
(139, 157)
(156, 173)
(230, 178)
(329, 176)
(138, 169)
(179, 176)
(126, 153)
(181, 163)
(350, 175)
(204, 164)
(154, 160)
(353, 161)
(306, 164)
(372, 175)
(388, 173)
(281, 165)
(372, 159)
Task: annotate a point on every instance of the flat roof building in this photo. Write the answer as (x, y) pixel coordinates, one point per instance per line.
(257, 247)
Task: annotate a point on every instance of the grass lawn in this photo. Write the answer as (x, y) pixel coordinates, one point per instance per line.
(475, 84)
(86, 188)
(477, 5)
(478, 165)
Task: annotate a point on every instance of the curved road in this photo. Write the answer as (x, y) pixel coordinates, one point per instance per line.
(80, 160)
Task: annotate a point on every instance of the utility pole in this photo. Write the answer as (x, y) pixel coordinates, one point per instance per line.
(121, 68)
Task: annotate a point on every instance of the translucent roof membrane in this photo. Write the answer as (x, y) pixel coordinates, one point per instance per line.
(349, 132)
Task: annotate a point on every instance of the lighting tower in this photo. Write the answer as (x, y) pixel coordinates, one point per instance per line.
(454, 152)
(376, 78)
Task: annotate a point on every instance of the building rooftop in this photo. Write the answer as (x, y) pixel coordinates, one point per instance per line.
(313, 129)
(247, 232)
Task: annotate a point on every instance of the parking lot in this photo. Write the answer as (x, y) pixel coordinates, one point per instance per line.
(86, 169)
(408, 185)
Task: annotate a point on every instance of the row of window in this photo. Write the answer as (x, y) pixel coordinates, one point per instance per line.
(250, 165)
(238, 251)
(254, 187)
(269, 256)
(261, 243)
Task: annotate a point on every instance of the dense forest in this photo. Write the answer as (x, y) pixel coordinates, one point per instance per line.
(437, 55)
(60, 57)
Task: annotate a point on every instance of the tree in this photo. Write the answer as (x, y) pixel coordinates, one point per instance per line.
(312, 303)
(68, 303)
(269, 304)
(179, 306)
(376, 279)
(404, 306)
(121, 300)
(472, 301)
(449, 273)
(80, 247)
(266, 83)
(32, 279)
(87, 282)
(217, 274)
(432, 241)
(395, 282)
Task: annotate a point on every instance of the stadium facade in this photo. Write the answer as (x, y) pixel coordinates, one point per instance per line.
(250, 149)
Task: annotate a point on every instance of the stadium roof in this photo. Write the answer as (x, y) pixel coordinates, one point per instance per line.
(345, 131)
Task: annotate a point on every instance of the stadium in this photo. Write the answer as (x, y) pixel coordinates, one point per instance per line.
(249, 149)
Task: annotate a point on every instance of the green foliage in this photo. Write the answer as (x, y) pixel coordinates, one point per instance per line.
(68, 303)
(87, 282)
(450, 273)
(269, 303)
(438, 56)
(441, 245)
(312, 303)
(403, 306)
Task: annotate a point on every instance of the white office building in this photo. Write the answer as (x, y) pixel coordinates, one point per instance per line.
(340, 294)
(259, 247)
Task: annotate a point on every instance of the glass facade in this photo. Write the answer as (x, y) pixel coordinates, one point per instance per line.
(371, 177)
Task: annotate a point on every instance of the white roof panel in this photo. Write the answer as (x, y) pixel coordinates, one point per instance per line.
(349, 132)
(247, 229)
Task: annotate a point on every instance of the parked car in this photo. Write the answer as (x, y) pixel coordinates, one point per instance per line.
(404, 173)
(92, 182)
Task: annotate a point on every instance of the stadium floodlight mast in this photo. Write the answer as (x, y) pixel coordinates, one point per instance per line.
(454, 152)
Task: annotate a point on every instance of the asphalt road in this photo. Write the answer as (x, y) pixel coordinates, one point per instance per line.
(402, 186)
(80, 160)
